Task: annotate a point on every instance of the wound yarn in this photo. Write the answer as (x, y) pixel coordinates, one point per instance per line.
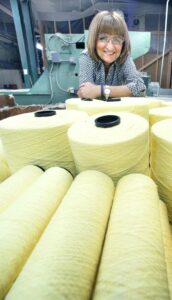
(115, 151)
(39, 141)
(159, 114)
(64, 263)
(161, 160)
(133, 262)
(4, 168)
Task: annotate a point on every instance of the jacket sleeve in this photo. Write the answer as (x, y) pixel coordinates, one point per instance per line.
(86, 68)
(132, 78)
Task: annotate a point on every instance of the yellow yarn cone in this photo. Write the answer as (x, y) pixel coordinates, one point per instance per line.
(4, 168)
(115, 151)
(16, 184)
(22, 224)
(72, 103)
(42, 141)
(133, 105)
(159, 114)
(167, 238)
(64, 262)
(166, 103)
(133, 262)
(161, 160)
(153, 102)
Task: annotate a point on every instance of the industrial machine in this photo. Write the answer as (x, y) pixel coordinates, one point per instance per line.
(60, 79)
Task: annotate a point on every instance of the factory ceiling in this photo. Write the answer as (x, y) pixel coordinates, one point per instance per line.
(60, 10)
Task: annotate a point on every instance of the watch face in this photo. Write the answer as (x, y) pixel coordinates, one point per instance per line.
(107, 91)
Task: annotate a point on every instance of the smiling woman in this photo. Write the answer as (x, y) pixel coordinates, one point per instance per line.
(106, 66)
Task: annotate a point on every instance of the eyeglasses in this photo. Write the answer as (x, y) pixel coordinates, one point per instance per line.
(115, 40)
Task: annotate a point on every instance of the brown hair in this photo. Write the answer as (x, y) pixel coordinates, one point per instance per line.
(111, 23)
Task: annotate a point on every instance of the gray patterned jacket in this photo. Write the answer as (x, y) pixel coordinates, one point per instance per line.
(124, 74)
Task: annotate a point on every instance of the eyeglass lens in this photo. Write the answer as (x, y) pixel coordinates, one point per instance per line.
(107, 39)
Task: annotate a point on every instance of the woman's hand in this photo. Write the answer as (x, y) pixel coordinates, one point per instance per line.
(89, 90)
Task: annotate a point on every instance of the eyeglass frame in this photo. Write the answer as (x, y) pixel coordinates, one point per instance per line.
(115, 40)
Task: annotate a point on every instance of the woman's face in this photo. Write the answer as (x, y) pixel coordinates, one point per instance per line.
(109, 47)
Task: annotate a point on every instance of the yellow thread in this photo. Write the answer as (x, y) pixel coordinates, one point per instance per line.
(134, 105)
(16, 184)
(167, 238)
(65, 261)
(115, 151)
(166, 103)
(159, 114)
(4, 168)
(133, 262)
(152, 102)
(72, 103)
(161, 164)
(22, 224)
(39, 141)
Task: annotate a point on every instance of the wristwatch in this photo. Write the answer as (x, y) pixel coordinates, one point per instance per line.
(106, 92)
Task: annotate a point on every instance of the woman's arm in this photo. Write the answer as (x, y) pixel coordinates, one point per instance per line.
(132, 78)
(90, 90)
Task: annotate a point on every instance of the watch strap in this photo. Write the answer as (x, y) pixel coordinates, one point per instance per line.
(102, 91)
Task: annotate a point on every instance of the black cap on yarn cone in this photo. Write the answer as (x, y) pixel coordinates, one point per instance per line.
(114, 100)
(107, 121)
(44, 113)
(87, 99)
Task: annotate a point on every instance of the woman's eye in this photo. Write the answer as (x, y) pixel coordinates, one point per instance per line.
(117, 41)
(103, 39)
